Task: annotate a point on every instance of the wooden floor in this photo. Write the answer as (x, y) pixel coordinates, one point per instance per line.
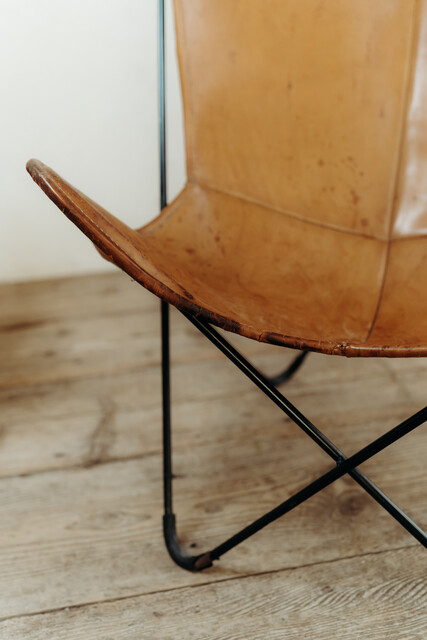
(81, 550)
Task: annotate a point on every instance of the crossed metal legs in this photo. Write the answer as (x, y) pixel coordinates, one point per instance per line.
(343, 465)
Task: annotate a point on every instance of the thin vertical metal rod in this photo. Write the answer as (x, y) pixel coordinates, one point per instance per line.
(162, 102)
(167, 445)
(180, 556)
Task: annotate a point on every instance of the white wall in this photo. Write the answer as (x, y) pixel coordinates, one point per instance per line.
(78, 90)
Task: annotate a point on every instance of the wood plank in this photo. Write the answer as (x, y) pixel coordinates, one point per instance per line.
(376, 597)
(81, 522)
(119, 416)
(88, 534)
(78, 329)
(98, 339)
(74, 297)
(96, 345)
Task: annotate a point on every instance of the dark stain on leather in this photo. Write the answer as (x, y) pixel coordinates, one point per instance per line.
(326, 282)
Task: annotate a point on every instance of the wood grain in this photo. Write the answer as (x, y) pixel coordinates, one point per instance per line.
(376, 597)
(67, 415)
(80, 485)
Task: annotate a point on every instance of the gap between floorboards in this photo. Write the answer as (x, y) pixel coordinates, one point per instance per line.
(207, 583)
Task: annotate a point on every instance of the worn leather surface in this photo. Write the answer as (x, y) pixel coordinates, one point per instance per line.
(304, 219)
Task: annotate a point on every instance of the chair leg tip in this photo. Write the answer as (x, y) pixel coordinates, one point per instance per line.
(177, 553)
(203, 562)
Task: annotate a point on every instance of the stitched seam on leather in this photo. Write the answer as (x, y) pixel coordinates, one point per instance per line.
(332, 348)
(68, 205)
(290, 214)
(410, 71)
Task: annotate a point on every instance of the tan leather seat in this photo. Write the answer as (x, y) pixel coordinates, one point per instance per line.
(304, 219)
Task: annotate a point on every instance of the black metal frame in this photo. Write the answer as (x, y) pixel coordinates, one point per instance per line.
(342, 466)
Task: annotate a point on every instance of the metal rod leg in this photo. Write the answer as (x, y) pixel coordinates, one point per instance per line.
(182, 558)
(324, 481)
(308, 427)
(290, 371)
(167, 444)
(343, 465)
(177, 553)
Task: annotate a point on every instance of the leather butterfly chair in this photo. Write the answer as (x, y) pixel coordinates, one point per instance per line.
(304, 219)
